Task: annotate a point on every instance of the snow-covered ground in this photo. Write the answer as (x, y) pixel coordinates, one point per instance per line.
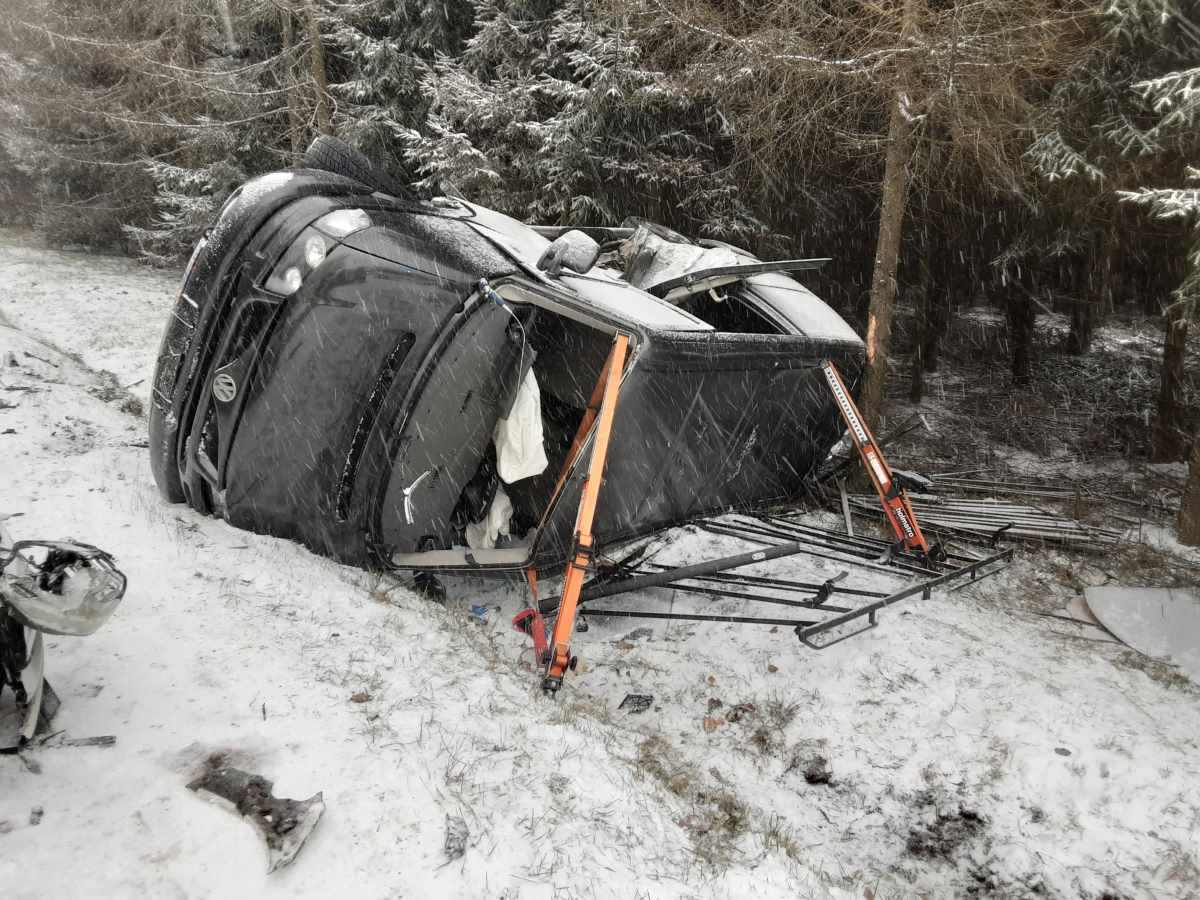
(966, 745)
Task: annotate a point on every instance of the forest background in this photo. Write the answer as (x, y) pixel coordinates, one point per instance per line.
(1029, 156)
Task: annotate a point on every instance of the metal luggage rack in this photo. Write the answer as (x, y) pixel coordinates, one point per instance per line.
(781, 536)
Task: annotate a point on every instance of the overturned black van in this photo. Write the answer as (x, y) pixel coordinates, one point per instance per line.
(344, 366)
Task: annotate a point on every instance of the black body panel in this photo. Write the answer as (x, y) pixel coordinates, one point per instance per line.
(360, 321)
(705, 423)
(228, 249)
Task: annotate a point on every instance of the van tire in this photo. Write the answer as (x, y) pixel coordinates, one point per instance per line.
(333, 155)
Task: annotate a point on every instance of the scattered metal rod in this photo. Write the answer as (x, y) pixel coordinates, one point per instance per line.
(984, 519)
(775, 527)
(875, 546)
(863, 542)
(767, 542)
(870, 544)
(1000, 488)
(1077, 491)
(60, 739)
(899, 561)
(986, 527)
(970, 502)
(1026, 528)
(970, 537)
(1019, 516)
(1015, 482)
(1048, 527)
(1017, 522)
(1005, 483)
(982, 532)
(845, 507)
(1008, 514)
(953, 504)
(976, 501)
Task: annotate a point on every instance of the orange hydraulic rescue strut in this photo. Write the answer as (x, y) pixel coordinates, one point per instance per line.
(891, 493)
(556, 655)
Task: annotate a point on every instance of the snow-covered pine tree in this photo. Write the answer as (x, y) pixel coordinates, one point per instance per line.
(235, 124)
(382, 51)
(550, 115)
(1099, 136)
(1084, 139)
(908, 97)
(1169, 96)
(136, 119)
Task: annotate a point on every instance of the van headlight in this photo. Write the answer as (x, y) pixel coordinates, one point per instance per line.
(309, 250)
(299, 261)
(314, 251)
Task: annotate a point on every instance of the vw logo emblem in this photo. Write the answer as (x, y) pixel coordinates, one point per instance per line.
(224, 387)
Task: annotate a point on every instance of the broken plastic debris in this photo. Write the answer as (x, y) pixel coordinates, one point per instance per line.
(284, 824)
(59, 739)
(1163, 623)
(636, 703)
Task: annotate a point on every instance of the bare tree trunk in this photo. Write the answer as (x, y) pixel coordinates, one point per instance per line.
(316, 60)
(1110, 269)
(1169, 437)
(1189, 510)
(231, 44)
(883, 279)
(938, 321)
(1082, 325)
(295, 124)
(1021, 319)
(921, 340)
(1096, 295)
(946, 281)
(891, 221)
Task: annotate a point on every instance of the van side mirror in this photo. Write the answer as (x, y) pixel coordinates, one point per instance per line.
(573, 250)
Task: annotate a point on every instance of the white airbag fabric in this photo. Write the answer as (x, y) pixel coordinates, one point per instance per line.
(519, 449)
(482, 535)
